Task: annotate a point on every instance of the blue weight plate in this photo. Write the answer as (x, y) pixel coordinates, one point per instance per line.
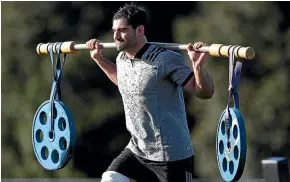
(231, 147)
(53, 154)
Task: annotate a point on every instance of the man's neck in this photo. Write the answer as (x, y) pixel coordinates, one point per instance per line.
(132, 53)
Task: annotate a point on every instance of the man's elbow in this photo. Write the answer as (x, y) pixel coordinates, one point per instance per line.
(206, 94)
(210, 94)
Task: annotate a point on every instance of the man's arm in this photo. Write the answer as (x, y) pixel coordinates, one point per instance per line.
(108, 68)
(201, 83)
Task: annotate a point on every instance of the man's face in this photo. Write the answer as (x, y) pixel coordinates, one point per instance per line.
(124, 34)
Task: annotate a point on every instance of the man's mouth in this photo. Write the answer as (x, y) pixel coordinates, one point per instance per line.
(119, 41)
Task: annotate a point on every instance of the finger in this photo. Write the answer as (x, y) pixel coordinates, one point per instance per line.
(199, 45)
(189, 47)
(194, 45)
(203, 44)
(89, 44)
(92, 43)
(97, 45)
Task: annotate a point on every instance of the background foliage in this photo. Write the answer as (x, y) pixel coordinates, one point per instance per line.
(96, 103)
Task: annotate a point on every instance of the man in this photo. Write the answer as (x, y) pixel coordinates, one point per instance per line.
(150, 80)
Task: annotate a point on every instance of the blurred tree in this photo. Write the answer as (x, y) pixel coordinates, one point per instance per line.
(96, 103)
(264, 82)
(27, 78)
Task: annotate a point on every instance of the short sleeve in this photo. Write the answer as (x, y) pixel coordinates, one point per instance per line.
(176, 69)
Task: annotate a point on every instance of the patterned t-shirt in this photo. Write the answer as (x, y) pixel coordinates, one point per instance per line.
(151, 89)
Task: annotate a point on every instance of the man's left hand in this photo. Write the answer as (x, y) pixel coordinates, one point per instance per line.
(198, 58)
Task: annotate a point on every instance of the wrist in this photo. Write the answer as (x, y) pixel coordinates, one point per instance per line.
(197, 67)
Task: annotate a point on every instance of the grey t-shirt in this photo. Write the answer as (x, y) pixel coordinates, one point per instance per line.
(151, 89)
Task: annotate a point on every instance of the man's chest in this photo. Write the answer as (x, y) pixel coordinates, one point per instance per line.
(137, 76)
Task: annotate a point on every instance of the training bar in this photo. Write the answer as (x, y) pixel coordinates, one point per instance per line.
(218, 50)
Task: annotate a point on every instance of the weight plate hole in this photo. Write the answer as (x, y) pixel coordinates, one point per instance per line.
(225, 164)
(54, 156)
(228, 144)
(62, 143)
(50, 134)
(223, 127)
(221, 147)
(235, 132)
(231, 167)
(61, 124)
(43, 118)
(236, 152)
(44, 153)
(39, 136)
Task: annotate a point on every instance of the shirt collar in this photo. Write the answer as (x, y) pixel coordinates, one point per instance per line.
(142, 51)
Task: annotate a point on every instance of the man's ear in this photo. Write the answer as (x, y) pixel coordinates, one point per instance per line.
(140, 30)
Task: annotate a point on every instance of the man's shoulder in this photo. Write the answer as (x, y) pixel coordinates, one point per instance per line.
(161, 53)
(169, 55)
(174, 54)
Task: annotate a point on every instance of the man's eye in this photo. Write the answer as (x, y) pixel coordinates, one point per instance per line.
(119, 30)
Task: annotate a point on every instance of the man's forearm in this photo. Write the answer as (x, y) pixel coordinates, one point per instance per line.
(204, 85)
(109, 69)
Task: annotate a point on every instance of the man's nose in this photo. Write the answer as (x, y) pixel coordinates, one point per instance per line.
(116, 35)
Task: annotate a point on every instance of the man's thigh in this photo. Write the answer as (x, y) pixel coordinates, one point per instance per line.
(129, 166)
(181, 171)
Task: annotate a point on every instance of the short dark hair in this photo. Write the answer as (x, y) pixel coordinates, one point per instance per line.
(134, 14)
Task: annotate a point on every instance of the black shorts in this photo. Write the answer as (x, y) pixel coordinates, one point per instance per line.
(142, 170)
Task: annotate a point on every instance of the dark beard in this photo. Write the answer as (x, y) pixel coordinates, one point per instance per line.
(125, 46)
(121, 47)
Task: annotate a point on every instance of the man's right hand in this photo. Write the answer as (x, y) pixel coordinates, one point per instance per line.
(95, 49)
